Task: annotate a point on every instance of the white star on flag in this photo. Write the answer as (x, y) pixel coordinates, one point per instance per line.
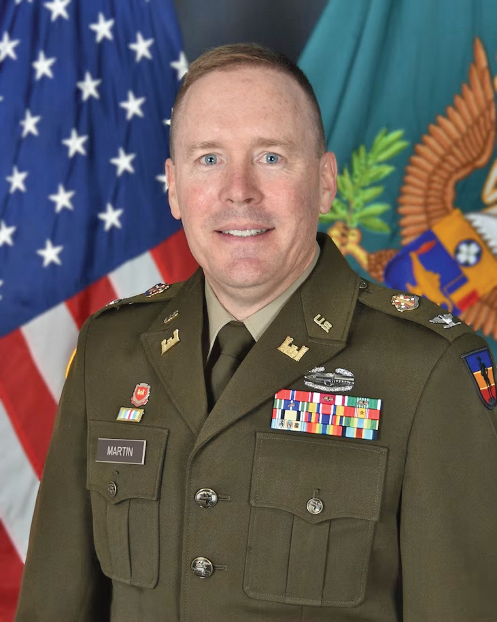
(50, 254)
(1, 283)
(163, 180)
(123, 162)
(57, 8)
(181, 65)
(102, 28)
(62, 199)
(75, 143)
(6, 234)
(16, 180)
(167, 121)
(42, 66)
(133, 105)
(111, 217)
(141, 47)
(19, 1)
(29, 124)
(7, 46)
(89, 87)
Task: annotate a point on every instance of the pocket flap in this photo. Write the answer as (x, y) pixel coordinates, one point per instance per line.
(117, 481)
(347, 477)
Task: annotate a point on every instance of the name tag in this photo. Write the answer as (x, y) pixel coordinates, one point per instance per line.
(121, 451)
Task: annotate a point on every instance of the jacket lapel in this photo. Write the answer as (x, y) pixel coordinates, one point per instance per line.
(329, 293)
(181, 367)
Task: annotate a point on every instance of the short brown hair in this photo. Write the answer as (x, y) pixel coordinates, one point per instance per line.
(227, 58)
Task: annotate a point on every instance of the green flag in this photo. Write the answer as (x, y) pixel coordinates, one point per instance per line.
(407, 94)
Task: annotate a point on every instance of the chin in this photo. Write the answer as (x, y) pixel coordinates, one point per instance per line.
(243, 274)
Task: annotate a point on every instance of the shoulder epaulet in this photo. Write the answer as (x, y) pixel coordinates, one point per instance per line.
(157, 293)
(412, 308)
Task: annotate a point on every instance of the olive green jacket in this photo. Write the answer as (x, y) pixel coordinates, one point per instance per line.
(408, 526)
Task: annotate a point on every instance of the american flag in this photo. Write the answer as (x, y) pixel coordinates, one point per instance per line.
(86, 90)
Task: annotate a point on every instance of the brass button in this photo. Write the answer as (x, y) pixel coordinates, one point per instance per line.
(112, 489)
(206, 498)
(202, 567)
(315, 506)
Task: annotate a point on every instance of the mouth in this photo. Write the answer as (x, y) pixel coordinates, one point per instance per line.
(244, 233)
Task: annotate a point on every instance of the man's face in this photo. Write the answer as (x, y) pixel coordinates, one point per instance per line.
(247, 181)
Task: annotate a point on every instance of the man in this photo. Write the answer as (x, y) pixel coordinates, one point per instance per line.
(344, 471)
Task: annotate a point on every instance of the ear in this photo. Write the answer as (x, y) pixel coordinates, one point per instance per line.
(328, 181)
(171, 185)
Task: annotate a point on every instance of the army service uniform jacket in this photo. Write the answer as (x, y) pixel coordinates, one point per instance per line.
(307, 526)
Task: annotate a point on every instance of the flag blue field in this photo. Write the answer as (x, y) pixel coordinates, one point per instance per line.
(407, 93)
(86, 90)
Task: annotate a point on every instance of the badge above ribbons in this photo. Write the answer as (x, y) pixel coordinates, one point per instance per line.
(332, 415)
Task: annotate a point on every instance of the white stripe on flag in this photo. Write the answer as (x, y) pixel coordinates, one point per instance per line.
(18, 486)
(51, 338)
(135, 276)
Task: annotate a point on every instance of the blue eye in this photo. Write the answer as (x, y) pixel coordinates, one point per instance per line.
(210, 158)
(271, 158)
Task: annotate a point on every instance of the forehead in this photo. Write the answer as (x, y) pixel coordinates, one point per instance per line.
(242, 96)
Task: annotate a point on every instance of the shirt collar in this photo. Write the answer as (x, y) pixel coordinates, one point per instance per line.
(218, 316)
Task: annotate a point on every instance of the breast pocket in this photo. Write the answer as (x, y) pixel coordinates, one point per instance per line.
(314, 503)
(125, 503)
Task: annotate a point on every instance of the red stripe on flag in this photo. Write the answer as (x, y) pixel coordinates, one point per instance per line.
(10, 577)
(26, 398)
(174, 259)
(90, 299)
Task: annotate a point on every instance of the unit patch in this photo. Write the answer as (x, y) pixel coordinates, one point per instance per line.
(480, 366)
(121, 451)
(333, 415)
(331, 382)
(405, 302)
(156, 289)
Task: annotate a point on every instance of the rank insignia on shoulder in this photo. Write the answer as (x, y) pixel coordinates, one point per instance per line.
(156, 289)
(479, 363)
(331, 382)
(405, 302)
(447, 319)
(141, 394)
(332, 415)
(130, 414)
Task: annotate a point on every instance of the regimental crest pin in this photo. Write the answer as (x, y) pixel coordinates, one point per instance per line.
(405, 302)
(479, 363)
(156, 289)
(445, 318)
(140, 394)
(331, 382)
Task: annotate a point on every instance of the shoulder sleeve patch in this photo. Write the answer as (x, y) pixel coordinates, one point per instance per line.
(480, 366)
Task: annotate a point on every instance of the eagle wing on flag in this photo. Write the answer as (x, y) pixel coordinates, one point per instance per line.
(453, 147)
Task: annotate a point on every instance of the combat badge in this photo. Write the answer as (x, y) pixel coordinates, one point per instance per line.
(140, 394)
(445, 318)
(171, 317)
(337, 415)
(480, 366)
(156, 289)
(331, 382)
(405, 302)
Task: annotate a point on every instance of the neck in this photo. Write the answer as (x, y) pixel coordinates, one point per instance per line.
(242, 302)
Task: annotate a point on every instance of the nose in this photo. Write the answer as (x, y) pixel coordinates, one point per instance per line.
(240, 185)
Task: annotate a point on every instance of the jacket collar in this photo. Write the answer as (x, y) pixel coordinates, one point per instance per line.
(329, 294)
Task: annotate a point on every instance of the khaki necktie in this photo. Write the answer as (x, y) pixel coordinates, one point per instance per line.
(231, 346)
